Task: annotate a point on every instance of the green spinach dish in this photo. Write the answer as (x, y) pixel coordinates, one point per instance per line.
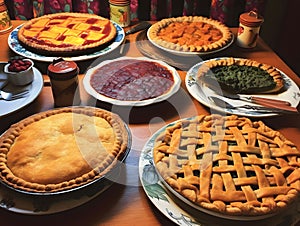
(241, 76)
(243, 79)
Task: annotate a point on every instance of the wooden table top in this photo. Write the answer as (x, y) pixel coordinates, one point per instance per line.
(126, 203)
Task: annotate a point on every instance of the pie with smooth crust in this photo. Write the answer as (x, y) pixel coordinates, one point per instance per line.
(66, 33)
(190, 34)
(238, 75)
(228, 164)
(61, 149)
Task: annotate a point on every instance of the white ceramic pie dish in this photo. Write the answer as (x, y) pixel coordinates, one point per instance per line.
(189, 53)
(90, 90)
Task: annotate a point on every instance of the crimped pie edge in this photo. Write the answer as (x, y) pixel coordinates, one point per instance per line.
(215, 207)
(7, 139)
(272, 71)
(79, 48)
(154, 29)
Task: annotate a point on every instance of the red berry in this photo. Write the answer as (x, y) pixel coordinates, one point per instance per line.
(18, 65)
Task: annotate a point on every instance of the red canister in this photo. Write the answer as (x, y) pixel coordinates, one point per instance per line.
(64, 82)
(249, 29)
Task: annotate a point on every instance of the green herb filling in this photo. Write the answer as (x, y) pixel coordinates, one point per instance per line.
(243, 78)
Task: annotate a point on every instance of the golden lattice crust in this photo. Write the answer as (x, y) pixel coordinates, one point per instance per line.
(190, 34)
(229, 164)
(214, 63)
(61, 149)
(66, 33)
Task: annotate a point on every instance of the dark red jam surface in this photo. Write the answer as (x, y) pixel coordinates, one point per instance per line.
(18, 65)
(132, 80)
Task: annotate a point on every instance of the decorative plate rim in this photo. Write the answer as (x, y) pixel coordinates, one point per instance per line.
(15, 46)
(164, 203)
(292, 90)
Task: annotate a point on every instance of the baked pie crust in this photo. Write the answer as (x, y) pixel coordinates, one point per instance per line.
(190, 34)
(253, 83)
(66, 33)
(61, 149)
(228, 164)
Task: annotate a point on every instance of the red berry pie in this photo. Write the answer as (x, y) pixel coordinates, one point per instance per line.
(66, 33)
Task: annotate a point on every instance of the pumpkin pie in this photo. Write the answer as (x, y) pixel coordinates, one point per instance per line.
(190, 34)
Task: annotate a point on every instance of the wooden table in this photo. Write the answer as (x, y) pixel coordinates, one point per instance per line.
(127, 203)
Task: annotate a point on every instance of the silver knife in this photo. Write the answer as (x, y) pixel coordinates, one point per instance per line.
(266, 102)
(271, 103)
(254, 99)
(249, 108)
(215, 86)
(141, 26)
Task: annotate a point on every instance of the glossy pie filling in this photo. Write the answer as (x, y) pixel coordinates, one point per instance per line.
(132, 80)
(229, 164)
(66, 32)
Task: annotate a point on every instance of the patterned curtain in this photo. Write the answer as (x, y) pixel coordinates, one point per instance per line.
(226, 11)
(42, 7)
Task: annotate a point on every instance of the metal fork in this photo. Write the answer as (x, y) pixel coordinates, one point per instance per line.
(12, 96)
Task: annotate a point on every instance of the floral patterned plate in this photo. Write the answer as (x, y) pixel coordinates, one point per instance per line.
(180, 213)
(200, 92)
(15, 46)
(156, 191)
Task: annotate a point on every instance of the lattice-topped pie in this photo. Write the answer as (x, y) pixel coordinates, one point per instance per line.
(66, 33)
(190, 34)
(229, 164)
(238, 75)
(61, 149)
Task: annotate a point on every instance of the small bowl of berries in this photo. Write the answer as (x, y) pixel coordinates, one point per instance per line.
(19, 71)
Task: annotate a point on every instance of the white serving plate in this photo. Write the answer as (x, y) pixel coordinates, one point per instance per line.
(200, 91)
(90, 90)
(8, 107)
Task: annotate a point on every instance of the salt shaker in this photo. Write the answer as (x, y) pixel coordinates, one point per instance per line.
(64, 82)
(249, 29)
(120, 12)
(5, 22)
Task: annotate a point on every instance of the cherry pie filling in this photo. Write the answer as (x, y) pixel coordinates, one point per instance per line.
(104, 29)
(132, 80)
